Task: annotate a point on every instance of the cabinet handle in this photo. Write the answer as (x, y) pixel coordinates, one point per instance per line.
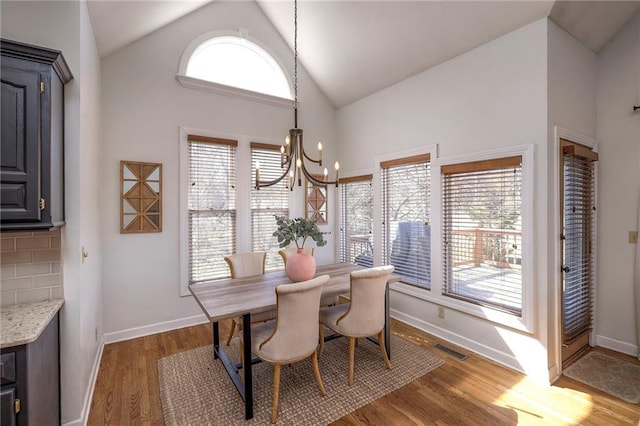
(16, 405)
(42, 87)
(42, 204)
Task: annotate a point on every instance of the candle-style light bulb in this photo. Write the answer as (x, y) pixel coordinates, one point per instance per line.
(320, 153)
(282, 149)
(298, 163)
(337, 166)
(326, 173)
(287, 140)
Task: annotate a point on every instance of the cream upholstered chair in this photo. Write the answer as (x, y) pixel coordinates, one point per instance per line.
(246, 265)
(364, 316)
(288, 251)
(293, 336)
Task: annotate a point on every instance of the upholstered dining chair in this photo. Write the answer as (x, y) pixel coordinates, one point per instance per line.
(293, 336)
(364, 316)
(246, 265)
(288, 251)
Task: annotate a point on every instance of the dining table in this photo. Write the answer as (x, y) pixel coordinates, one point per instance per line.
(243, 297)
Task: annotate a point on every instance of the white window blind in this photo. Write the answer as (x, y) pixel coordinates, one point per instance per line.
(267, 202)
(579, 208)
(212, 206)
(406, 239)
(482, 233)
(356, 218)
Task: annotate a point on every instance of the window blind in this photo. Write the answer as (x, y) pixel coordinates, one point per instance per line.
(578, 236)
(356, 218)
(267, 202)
(406, 239)
(211, 204)
(482, 233)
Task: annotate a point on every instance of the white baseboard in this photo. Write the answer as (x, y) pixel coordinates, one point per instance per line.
(132, 333)
(88, 397)
(617, 345)
(500, 357)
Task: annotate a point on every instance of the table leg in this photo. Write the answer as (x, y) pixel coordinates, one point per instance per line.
(387, 324)
(216, 339)
(246, 366)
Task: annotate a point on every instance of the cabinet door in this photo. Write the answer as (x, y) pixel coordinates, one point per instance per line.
(20, 160)
(7, 407)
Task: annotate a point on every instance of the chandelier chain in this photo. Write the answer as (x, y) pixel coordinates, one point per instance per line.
(295, 55)
(292, 153)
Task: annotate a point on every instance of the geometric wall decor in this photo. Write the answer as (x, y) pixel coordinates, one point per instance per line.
(140, 197)
(315, 201)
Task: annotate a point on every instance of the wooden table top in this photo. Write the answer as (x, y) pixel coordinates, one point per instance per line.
(228, 298)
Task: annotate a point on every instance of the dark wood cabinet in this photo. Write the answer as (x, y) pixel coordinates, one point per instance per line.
(31, 380)
(32, 137)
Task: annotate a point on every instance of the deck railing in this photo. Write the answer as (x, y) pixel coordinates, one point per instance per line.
(497, 247)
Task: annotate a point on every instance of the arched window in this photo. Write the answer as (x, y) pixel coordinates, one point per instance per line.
(237, 62)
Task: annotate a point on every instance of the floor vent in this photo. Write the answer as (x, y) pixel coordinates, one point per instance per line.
(451, 352)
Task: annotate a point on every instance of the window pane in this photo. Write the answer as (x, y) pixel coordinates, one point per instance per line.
(578, 254)
(211, 203)
(267, 203)
(356, 218)
(407, 231)
(482, 236)
(237, 62)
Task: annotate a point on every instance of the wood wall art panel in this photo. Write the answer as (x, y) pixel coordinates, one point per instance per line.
(315, 201)
(140, 197)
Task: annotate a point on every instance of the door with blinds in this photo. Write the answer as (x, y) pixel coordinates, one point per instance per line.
(578, 214)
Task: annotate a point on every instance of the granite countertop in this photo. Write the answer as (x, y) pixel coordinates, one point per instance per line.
(23, 323)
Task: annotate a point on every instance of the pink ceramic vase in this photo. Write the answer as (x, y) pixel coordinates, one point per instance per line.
(301, 266)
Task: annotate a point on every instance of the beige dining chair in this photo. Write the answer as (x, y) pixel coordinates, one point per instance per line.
(288, 251)
(293, 336)
(243, 265)
(364, 316)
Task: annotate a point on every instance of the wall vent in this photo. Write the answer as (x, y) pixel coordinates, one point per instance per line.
(451, 352)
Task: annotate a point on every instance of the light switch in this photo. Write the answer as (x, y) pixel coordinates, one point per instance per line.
(633, 237)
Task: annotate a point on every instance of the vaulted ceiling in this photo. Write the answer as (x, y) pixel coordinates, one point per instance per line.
(355, 48)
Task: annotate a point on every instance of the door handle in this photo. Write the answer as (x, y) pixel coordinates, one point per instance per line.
(565, 269)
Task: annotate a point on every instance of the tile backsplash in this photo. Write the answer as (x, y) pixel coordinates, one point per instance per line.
(30, 266)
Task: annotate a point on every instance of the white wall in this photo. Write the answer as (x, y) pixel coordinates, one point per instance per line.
(619, 186)
(571, 75)
(492, 97)
(143, 108)
(65, 26)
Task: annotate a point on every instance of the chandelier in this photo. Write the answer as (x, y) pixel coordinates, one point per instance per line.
(292, 153)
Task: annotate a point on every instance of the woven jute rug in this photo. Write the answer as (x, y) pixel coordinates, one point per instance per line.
(611, 375)
(196, 390)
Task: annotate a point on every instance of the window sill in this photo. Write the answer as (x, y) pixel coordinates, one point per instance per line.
(488, 314)
(235, 92)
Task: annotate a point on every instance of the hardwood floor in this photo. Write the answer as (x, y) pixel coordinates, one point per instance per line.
(470, 392)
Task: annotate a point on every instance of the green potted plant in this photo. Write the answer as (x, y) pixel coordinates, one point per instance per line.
(300, 266)
(297, 230)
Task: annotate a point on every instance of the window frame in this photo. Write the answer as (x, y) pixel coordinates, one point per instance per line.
(231, 144)
(344, 182)
(525, 322)
(383, 166)
(222, 89)
(263, 148)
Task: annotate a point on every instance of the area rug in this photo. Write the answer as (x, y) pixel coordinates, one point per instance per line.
(196, 390)
(611, 375)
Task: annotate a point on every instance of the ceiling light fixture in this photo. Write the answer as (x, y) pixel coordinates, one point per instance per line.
(292, 154)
